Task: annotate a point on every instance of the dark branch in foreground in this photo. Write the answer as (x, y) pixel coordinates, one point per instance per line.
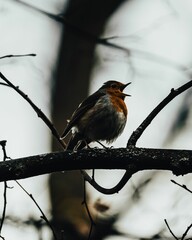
(36, 109)
(139, 131)
(131, 159)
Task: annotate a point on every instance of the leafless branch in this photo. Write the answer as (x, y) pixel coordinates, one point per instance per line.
(20, 55)
(4, 84)
(3, 145)
(181, 185)
(75, 29)
(170, 230)
(41, 211)
(187, 189)
(87, 209)
(139, 131)
(186, 232)
(36, 109)
(131, 159)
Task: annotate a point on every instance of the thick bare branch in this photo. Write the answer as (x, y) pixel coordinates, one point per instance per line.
(131, 159)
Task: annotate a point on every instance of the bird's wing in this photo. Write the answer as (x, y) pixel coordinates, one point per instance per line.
(83, 107)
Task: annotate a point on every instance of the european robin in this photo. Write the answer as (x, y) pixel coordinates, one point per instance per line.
(101, 116)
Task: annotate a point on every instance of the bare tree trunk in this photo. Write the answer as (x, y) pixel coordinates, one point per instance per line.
(73, 74)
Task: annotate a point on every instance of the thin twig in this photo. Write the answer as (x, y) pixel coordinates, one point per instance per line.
(43, 215)
(37, 110)
(186, 232)
(181, 185)
(187, 189)
(18, 55)
(170, 230)
(139, 131)
(3, 145)
(4, 84)
(87, 209)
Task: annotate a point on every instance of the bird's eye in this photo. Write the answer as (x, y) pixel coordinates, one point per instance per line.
(114, 85)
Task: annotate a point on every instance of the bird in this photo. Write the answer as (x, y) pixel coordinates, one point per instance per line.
(100, 117)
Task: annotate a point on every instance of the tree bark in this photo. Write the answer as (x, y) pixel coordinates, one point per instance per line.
(131, 159)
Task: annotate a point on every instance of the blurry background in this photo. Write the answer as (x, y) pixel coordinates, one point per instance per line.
(70, 64)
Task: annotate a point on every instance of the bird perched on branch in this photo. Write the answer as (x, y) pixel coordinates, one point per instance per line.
(101, 116)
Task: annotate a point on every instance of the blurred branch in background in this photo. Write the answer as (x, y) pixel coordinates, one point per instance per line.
(38, 225)
(75, 28)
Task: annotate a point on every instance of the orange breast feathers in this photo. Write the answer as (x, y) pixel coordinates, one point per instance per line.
(117, 99)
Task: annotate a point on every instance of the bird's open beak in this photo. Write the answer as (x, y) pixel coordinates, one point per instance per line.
(123, 87)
